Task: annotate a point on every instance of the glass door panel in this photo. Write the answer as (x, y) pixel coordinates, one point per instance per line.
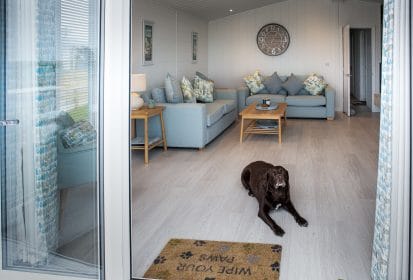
(49, 128)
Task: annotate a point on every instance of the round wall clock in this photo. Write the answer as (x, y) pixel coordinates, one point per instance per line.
(273, 39)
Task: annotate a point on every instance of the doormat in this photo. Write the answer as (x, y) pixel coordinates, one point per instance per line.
(187, 259)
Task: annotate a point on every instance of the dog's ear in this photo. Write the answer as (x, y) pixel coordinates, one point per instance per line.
(270, 179)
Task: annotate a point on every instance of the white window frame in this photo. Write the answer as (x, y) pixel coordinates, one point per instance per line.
(116, 155)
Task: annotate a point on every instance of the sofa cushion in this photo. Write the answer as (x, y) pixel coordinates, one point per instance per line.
(204, 77)
(158, 95)
(229, 105)
(203, 90)
(293, 85)
(215, 111)
(79, 134)
(306, 100)
(273, 83)
(275, 98)
(254, 82)
(315, 84)
(173, 90)
(187, 91)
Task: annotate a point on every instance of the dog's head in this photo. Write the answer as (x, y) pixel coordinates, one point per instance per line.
(277, 178)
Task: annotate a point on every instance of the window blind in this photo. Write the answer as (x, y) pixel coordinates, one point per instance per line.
(76, 58)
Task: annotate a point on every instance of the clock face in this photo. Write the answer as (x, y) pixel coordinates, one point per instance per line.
(273, 39)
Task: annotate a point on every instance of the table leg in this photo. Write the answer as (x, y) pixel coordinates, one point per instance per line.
(165, 147)
(146, 142)
(279, 130)
(285, 119)
(242, 130)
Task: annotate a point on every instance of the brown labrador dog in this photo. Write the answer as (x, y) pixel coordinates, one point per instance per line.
(270, 185)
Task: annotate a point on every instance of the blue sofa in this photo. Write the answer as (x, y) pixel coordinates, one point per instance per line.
(193, 125)
(302, 105)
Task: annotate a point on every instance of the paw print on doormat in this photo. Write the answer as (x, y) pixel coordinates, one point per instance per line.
(276, 248)
(275, 266)
(186, 255)
(159, 260)
(199, 243)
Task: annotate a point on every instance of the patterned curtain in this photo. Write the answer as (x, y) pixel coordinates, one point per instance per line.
(381, 241)
(31, 151)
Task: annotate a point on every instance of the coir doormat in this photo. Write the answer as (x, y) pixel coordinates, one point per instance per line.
(186, 259)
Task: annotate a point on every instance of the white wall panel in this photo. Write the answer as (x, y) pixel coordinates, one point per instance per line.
(172, 45)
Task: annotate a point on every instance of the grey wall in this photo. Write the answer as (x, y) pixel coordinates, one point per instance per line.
(315, 29)
(172, 45)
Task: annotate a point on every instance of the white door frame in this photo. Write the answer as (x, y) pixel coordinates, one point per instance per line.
(374, 67)
(115, 54)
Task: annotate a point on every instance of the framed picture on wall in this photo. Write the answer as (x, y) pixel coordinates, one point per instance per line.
(194, 47)
(147, 40)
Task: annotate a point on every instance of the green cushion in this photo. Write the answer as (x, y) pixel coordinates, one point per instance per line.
(187, 91)
(315, 84)
(79, 134)
(203, 90)
(254, 82)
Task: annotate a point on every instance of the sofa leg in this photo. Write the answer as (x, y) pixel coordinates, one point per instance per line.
(330, 118)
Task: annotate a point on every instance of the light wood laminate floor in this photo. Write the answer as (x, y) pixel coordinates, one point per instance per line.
(186, 193)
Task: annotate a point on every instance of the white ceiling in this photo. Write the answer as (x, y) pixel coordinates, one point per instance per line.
(214, 9)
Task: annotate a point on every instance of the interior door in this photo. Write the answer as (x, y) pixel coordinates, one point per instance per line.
(49, 128)
(346, 70)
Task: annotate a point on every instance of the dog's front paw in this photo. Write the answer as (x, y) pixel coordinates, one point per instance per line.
(279, 231)
(302, 222)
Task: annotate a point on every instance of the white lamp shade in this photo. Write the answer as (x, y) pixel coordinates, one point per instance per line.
(138, 82)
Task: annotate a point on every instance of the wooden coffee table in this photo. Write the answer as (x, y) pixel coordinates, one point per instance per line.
(251, 113)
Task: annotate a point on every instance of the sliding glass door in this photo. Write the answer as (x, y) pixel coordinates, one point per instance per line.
(49, 128)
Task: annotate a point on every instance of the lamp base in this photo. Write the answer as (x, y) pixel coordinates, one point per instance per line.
(136, 101)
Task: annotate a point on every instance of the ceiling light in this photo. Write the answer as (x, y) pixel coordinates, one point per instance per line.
(230, 10)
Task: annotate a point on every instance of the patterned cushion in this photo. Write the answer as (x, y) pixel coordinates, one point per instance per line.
(158, 95)
(204, 77)
(187, 91)
(203, 90)
(293, 85)
(254, 82)
(172, 90)
(79, 134)
(273, 83)
(315, 84)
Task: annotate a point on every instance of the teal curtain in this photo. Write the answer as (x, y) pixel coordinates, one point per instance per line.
(381, 241)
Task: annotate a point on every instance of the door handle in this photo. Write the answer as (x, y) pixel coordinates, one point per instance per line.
(9, 122)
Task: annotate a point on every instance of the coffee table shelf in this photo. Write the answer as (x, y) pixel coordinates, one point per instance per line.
(251, 113)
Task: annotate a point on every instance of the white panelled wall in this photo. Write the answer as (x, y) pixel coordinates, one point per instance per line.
(172, 45)
(316, 45)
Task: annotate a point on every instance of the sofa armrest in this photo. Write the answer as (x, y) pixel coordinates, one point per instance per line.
(330, 102)
(243, 94)
(185, 125)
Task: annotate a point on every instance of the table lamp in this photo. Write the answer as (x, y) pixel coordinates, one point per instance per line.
(138, 84)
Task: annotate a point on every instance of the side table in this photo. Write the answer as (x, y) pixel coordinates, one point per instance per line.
(144, 114)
